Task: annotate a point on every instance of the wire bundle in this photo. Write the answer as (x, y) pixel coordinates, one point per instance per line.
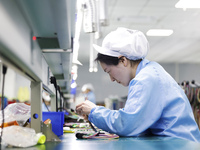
(96, 135)
(192, 90)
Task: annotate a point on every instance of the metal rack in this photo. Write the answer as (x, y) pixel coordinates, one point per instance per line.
(51, 23)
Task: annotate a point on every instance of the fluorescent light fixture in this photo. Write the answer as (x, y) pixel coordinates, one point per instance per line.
(73, 85)
(95, 69)
(188, 4)
(91, 69)
(159, 32)
(78, 28)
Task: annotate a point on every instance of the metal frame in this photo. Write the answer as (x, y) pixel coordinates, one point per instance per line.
(36, 106)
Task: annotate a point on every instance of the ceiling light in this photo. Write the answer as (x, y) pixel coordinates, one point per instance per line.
(159, 32)
(95, 69)
(73, 85)
(188, 4)
(91, 69)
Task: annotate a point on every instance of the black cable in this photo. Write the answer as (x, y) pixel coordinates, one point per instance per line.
(60, 99)
(2, 102)
(93, 128)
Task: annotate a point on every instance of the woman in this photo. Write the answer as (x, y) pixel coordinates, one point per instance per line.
(155, 104)
(88, 91)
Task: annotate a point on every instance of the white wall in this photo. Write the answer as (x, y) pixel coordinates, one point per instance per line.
(185, 71)
(9, 86)
(13, 81)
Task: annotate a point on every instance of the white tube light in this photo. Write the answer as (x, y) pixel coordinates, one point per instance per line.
(188, 4)
(159, 32)
(95, 69)
(78, 27)
(73, 85)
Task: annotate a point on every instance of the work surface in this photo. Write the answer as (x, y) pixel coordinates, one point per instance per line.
(69, 142)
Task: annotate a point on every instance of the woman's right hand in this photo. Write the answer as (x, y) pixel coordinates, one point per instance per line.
(85, 108)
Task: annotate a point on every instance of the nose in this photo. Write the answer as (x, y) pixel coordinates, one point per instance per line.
(112, 79)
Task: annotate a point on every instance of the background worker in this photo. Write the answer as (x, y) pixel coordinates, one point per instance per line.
(88, 91)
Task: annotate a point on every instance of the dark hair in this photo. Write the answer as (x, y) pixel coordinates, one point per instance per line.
(108, 60)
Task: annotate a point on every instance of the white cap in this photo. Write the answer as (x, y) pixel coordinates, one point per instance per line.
(46, 96)
(124, 42)
(87, 86)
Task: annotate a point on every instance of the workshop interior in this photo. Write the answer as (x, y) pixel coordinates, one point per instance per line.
(47, 56)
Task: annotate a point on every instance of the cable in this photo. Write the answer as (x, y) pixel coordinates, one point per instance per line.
(2, 102)
(93, 128)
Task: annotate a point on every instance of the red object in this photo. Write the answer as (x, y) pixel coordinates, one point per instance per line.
(34, 38)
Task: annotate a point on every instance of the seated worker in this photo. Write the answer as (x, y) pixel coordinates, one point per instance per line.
(46, 101)
(88, 92)
(156, 104)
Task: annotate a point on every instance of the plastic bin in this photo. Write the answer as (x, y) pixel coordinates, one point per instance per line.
(57, 121)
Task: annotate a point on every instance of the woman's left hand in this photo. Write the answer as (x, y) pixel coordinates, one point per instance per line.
(85, 108)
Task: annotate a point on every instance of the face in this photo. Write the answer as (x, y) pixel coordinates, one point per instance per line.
(120, 73)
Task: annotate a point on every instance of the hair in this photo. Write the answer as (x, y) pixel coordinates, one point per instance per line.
(110, 60)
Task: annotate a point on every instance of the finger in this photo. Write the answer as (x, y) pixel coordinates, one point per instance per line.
(79, 105)
(85, 117)
(79, 110)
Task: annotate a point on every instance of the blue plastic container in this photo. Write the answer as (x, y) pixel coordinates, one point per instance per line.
(57, 121)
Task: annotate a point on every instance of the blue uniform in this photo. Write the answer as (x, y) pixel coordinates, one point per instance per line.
(44, 108)
(91, 97)
(155, 103)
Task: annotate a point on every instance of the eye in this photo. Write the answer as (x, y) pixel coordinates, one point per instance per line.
(109, 72)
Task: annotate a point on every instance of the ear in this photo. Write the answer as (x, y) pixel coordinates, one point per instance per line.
(123, 60)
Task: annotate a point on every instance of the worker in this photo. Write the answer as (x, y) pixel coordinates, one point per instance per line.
(88, 91)
(156, 104)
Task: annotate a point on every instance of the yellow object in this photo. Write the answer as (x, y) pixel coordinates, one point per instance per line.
(23, 94)
(68, 130)
(41, 138)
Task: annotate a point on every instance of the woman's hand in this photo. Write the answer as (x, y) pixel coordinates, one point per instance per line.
(85, 108)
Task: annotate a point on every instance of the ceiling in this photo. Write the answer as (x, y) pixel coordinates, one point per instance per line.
(183, 46)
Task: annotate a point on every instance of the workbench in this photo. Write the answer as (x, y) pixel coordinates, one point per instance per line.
(70, 142)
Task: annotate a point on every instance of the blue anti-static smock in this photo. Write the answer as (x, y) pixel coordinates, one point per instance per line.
(155, 103)
(91, 96)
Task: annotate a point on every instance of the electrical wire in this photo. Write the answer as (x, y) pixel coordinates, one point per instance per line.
(2, 103)
(93, 128)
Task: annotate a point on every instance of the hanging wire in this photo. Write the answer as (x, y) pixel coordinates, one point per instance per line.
(2, 103)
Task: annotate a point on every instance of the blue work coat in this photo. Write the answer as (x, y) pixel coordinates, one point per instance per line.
(155, 103)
